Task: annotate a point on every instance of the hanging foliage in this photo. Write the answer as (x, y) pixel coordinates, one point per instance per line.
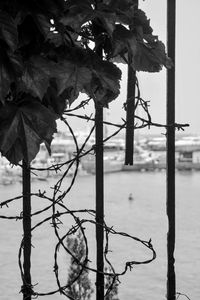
(49, 54)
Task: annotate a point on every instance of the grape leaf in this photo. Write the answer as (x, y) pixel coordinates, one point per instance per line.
(105, 85)
(56, 38)
(107, 17)
(49, 7)
(151, 57)
(54, 7)
(124, 10)
(23, 128)
(77, 13)
(62, 38)
(36, 76)
(10, 69)
(140, 19)
(144, 51)
(5, 80)
(73, 77)
(53, 101)
(8, 31)
(86, 72)
(10, 65)
(124, 41)
(43, 23)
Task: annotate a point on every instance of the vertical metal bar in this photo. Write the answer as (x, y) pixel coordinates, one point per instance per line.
(99, 203)
(130, 111)
(171, 26)
(99, 180)
(27, 231)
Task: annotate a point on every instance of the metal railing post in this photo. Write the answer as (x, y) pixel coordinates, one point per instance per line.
(130, 112)
(99, 203)
(26, 185)
(171, 27)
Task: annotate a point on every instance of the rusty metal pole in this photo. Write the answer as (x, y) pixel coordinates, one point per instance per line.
(26, 185)
(171, 28)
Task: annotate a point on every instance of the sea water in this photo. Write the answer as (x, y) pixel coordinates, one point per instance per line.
(144, 217)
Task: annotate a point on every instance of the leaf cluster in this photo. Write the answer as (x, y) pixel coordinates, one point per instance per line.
(51, 51)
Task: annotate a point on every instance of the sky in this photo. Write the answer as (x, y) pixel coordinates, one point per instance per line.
(153, 85)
